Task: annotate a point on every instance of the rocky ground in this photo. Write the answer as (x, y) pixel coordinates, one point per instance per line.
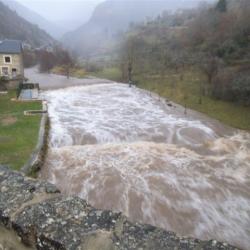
(34, 215)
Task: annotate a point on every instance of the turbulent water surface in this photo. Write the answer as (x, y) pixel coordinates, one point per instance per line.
(123, 149)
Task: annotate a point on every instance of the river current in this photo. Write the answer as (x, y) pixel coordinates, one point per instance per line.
(124, 149)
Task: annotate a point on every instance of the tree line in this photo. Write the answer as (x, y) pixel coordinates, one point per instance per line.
(48, 58)
(215, 39)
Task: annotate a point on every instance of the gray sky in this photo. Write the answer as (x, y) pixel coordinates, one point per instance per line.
(55, 10)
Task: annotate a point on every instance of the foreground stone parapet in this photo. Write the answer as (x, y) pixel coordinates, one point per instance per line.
(42, 218)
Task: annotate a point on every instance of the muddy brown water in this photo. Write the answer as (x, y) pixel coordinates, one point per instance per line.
(123, 149)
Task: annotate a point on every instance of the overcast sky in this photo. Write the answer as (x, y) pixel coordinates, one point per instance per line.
(55, 10)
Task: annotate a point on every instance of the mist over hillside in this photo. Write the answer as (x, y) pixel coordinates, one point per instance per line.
(56, 17)
(113, 17)
(54, 30)
(12, 26)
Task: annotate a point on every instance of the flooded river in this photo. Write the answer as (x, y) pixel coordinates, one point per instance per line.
(123, 149)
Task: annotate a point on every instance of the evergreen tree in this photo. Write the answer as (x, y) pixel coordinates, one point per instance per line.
(222, 6)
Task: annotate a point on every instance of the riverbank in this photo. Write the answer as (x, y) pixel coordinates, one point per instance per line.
(184, 88)
(18, 133)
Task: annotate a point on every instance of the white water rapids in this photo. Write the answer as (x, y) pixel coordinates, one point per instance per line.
(122, 149)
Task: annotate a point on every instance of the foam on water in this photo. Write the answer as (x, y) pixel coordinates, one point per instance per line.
(119, 148)
(104, 113)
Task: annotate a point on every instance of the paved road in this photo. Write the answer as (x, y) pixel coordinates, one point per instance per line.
(52, 81)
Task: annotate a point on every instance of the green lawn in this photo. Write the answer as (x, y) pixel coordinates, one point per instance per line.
(113, 74)
(18, 133)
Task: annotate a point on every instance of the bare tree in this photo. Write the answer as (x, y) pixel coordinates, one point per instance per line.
(129, 55)
(67, 62)
(210, 66)
(47, 61)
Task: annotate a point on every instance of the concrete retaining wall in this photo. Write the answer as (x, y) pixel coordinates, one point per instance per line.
(37, 157)
(34, 215)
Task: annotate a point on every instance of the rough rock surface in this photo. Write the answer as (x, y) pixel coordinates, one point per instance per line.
(42, 218)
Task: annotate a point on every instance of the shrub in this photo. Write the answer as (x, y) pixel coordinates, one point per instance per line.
(3, 81)
(233, 86)
(241, 88)
(93, 67)
(220, 88)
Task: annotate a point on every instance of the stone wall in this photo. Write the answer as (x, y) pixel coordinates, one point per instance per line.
(34, 215)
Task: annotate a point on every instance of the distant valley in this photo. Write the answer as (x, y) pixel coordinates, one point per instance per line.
(112, 17)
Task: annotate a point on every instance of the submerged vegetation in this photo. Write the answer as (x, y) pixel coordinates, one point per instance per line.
(198, 58)
(184, 89)
(18, 133)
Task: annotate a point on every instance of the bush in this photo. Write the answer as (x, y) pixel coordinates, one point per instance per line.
(3, 81)
(93, 67)
(241, 88)
(233, 86)
(29, 59)
(228, 48)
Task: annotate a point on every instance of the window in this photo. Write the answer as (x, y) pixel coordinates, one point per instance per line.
(14, 72)
(7, 59)
(5, 71)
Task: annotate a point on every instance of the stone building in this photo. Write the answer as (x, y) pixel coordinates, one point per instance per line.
(11, 60)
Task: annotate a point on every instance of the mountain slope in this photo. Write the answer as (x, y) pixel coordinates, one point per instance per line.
(33, 17)
(13, 26)
(113, 16)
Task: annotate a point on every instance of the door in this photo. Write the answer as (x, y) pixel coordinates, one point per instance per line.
(14, 72)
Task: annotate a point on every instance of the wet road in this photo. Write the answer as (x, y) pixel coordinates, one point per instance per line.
(52, 81)
(123, 149)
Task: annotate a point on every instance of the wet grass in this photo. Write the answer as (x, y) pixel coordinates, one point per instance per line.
(112, 73)
(74, 72)
(184, 88)
(18, 133)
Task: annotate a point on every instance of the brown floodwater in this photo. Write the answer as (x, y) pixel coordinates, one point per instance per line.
(121, 148)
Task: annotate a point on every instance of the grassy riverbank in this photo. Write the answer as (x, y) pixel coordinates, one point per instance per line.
(184, 88)
(18, 133)
(113, 74)
(74, 72)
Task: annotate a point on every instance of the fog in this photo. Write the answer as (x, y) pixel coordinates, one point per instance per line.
(60, 17)
(63, 11)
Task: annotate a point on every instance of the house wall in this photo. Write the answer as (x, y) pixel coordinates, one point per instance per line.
(16, 62)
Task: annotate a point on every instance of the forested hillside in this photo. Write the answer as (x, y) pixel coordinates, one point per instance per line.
(209, 46)
(12, 26)
(34, 18)
(111, 18)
